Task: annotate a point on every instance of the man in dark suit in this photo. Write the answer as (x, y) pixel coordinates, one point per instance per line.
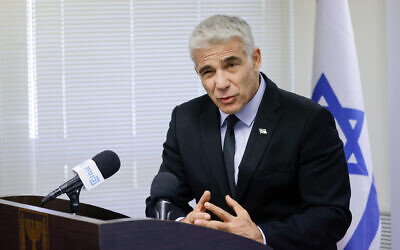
(260, 162)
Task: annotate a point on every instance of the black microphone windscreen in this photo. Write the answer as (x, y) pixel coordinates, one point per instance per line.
(164, 185)
(107, 162)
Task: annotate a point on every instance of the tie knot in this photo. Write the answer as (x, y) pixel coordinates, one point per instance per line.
(232, 120)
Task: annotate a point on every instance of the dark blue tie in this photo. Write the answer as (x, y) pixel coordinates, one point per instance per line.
(229, 151)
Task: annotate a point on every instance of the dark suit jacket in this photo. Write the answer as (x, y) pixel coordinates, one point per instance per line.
(293, 181)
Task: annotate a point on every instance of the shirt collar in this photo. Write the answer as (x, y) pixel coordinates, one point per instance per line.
(248, 113)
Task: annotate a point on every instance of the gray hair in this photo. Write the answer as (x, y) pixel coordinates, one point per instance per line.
(218, 29)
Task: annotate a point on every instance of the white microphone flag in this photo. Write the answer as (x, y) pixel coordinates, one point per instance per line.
(89, 174)
(337, 86)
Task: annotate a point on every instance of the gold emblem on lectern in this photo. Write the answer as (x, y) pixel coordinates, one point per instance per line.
(33, 230)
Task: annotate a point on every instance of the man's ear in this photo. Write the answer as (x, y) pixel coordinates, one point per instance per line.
(256, 59)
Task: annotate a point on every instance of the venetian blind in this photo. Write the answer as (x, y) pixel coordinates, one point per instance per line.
(78, 77)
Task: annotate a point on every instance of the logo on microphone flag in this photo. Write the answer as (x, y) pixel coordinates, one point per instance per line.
(337, 86)
(89, 174)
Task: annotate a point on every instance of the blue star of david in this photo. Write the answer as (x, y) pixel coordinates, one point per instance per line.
(343, 117)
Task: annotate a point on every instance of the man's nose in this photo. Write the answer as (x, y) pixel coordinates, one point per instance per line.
(221, 81)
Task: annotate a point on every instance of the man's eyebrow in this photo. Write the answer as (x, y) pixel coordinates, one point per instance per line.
(225, 60)
(231, 58)
(204, 68)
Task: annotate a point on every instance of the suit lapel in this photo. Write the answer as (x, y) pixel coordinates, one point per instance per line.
(210, 131)
(260, 135)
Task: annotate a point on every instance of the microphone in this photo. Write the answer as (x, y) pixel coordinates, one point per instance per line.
(164, 189)
(90, 174)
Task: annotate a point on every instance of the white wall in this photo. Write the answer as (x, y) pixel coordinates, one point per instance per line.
(393, 41)
(369, 25)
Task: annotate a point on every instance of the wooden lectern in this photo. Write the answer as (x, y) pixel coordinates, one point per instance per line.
(25, 225)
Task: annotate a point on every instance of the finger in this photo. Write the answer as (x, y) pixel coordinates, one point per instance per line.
(218, 225)
(239, 210)
(203, 199)
(219, 212)
(192, 216)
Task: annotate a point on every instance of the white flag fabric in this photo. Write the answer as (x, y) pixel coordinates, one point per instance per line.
(337, 86)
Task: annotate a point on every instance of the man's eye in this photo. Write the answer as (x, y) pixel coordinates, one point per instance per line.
(205, 73)
(231, 65)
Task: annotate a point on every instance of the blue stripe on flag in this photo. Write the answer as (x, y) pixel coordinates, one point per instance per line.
(368, 226)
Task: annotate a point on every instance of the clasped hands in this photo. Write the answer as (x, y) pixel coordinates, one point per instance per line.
(240, 224)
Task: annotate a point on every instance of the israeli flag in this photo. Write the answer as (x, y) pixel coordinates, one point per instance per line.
(337, 86)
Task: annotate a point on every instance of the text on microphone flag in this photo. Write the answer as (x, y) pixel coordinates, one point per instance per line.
(89, 174)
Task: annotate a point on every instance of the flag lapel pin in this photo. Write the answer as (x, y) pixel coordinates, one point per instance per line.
(262, 131)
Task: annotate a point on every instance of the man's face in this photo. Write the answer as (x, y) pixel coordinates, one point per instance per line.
(227, 75)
